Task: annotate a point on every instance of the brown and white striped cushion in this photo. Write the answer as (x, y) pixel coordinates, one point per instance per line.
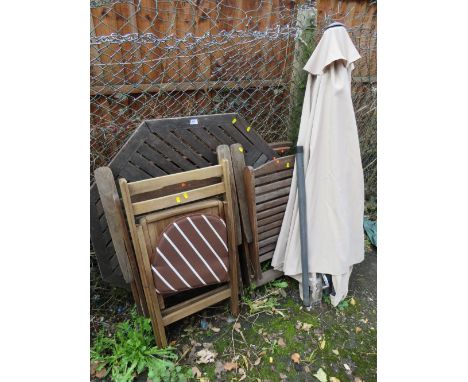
(191, 252)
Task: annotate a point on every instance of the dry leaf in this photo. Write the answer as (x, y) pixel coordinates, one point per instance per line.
(307, 369)
(101, 373)
(241, 371)
(283, 376)
(257, 362)
(348, 369)
(271, 359)
(352, 301)
(321, 375)
(357, 379)
(335, 351)
(206, 356)
(214, 329)
(358, 329)
(296, 357)
(204, 379)
(93, 367)
(281, 343)
(322, 344)
(298, 325)
(334, 379)
(306, 327)
(237, 326)
(196, 372)
(228, 366)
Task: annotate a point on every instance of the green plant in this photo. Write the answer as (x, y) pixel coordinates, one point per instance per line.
(131, 351)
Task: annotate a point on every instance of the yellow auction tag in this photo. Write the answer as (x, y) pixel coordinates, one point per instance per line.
(234, 120)
(185, 195)
(177, 199)
(287, 164)
(241, 149)
(248, 128)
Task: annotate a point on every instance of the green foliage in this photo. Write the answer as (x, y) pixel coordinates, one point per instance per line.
(131, 351)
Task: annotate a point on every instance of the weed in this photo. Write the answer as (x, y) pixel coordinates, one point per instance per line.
(131, 351)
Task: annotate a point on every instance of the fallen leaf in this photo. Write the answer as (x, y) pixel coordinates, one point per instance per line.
(241, 371)
(237, 326)
(196, 372)
(216, 330)
(321, 375)
(298, 325)
(204, 379)
(358, 329)
(257, 362)
(208, 345)
(281, 343)
(322, 344)
(93, 367)
(271, 359)
(206, 356)
(352, 301)
(348, 369)
(335, 351)
(296, 357)
(306, 327)
(307, 369)
(101, 373)
(283, 376)
(357, 379)
(334, 379)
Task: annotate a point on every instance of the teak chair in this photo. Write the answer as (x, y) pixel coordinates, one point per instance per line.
(149, 220)
(267, 191)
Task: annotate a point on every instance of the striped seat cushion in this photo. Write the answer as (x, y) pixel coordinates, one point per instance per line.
(191, 252)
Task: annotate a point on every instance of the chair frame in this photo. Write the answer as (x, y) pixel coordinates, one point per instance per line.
(273, 189)
(142, 213)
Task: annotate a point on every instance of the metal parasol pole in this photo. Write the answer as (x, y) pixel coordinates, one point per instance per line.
(303, 224)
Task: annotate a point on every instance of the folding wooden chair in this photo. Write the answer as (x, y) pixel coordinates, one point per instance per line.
(178, 236)
(267, 191)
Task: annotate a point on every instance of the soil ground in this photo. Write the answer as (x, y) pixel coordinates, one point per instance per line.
(273, 339)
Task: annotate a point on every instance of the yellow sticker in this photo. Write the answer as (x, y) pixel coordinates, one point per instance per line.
(287, 165)
(234, 120)
(185, 195)
(177, 199)
(241, 149)
(248, 128)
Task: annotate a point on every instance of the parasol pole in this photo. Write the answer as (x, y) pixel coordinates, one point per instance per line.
(303, 225)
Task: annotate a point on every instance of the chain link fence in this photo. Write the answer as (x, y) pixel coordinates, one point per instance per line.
(157, 59)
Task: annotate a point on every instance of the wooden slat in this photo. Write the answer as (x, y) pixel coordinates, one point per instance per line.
(183, 86)
(272, 225)
(272, 211)
(167, 180)
(224, 153)
(267, 248)
(273, 186)
(191, 139)
(146, 165)
(186, 209)
(284, 174)
(171, 155)
(196, 304)
(266, 256)
(275, 165)
(268, 276)
(238, 164)
(272, 195)
(150, 153)
(270, 240)
(272, 203)
(270, 219)
(177, 199)
(269, 233)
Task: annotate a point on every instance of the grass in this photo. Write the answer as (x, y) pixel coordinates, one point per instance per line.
(272, 326)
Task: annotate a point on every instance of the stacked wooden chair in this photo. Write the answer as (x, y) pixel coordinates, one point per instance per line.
(182, 241)
(262, 195)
